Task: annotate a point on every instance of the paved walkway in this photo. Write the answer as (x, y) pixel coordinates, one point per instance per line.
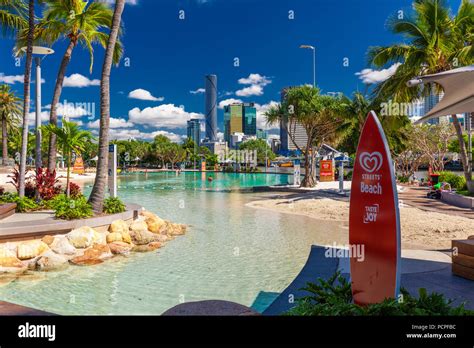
(416, 197)
(420, 269)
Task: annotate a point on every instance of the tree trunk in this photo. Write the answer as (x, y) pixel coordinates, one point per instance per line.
(96, 198)
(53, 115)
(68, 176)
(466, 165)
(4, 140)
(26, 97)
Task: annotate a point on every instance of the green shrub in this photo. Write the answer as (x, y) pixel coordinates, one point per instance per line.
(70, 208)
(23, 205)
(403, 179)
(348, 175)
(113, 205)
(457, 182)
(334, 297)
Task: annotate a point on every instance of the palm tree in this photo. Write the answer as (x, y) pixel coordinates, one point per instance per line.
(12, 16)
(322, 117)
(96, 198)
(79, 22)
(10, 114)
(71, 139)
(436, 42)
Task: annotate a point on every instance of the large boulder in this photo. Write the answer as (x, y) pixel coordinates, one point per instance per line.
(114, 237)
(142, 237)
(48, 239)
(83, 237)
(118, 226)
(138, 226)
(154, 223)
(94, 255)
(62, 246)
(50, 261)
(147, 247)
(172, 229)
(31, 249)
(120, 248)
(9, 263)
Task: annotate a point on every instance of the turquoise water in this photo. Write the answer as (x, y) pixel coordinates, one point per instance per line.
(231, 252)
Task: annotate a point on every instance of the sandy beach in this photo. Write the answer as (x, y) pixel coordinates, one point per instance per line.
(420, 229)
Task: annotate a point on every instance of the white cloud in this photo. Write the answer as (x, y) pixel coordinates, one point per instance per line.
(114, 123)
(370, 76)
(229, 101)
(125, 134)
(80, 81)
(165, 115)
(71, 110)
(261, 119)
(12, 79)
(255, 79)
(198, 91)
(256, 82)
(249, 91)
(143, 94)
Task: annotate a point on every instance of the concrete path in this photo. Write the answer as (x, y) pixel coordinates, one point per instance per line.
(420, 269)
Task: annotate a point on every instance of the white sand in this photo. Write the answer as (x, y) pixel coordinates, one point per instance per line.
(420, 229)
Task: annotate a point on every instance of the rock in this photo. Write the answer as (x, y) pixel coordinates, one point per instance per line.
(9, 263)
(126, 237)
(120, 248)
(162, 238)
(100, 237)
(48, 239)
(62, 246)
(94, 255)
(114, 237)
(153, 222)
(147, 247)
(50, 261)
(31, 249)
(118, 226)
(470, 237)
(138, 226)
(172, 229)
(141, 237)
(82, 237)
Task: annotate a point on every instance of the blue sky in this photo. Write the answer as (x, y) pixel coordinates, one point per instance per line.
(169, 56)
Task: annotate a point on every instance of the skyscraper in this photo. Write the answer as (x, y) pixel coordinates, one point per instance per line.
(240, 118)
(298, 133)
(211, 108)
(194, 130)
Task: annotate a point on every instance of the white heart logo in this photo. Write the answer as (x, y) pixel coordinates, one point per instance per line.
(371, 162)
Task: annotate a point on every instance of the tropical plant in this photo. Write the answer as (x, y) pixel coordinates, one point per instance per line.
(46, 183)
(83, 23)
(96, 198)
(159, 148)
(10, 114)
(174, 153)
(435, 41)
(71, 139)
(113, 205)
(23, 204)
(263, 150)
(456, 181)
(74, 190)
(12, 16)
(322, 117)
(334, 297)
(68, 208)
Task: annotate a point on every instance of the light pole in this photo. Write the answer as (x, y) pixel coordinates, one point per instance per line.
(39, 51)
(309, 47)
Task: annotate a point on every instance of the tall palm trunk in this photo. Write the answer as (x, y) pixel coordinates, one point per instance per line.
(96, 198)
(26, 97)
(68, 175)
(53, 116)
(4, 140)
(465, 159)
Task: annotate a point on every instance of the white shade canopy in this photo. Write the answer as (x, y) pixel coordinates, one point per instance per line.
(458, 86)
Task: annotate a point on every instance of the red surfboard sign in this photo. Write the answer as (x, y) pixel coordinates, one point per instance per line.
(374, 219)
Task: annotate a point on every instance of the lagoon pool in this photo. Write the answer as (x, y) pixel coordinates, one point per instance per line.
(231, 252)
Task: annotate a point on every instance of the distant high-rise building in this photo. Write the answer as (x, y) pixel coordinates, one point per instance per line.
(262, 134)
(297, 131)
(239, 118)
(194, 130)
(211, 107)
(429, 103)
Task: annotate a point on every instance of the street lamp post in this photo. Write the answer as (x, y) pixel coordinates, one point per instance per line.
(309, 47)
(39, 51)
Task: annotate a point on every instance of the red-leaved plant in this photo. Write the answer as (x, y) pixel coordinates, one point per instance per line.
(46, 183)
(74, 190)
